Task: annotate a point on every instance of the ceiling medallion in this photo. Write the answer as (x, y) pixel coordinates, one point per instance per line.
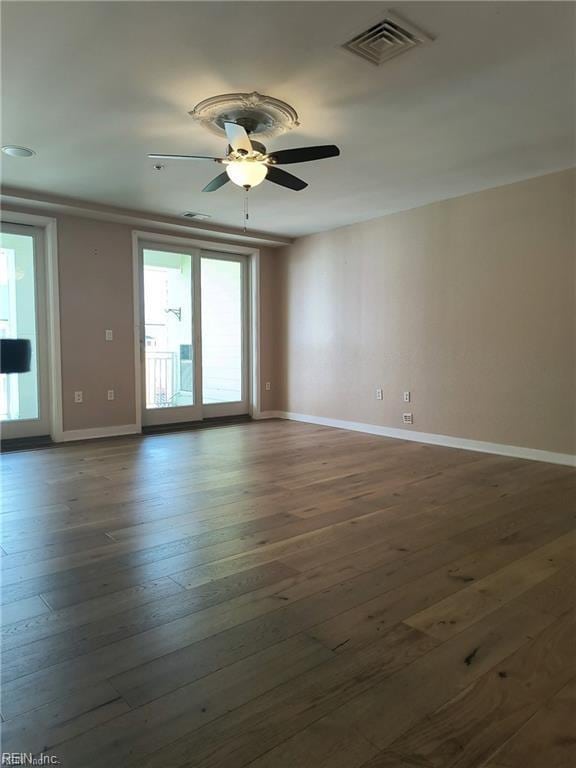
(258, 114)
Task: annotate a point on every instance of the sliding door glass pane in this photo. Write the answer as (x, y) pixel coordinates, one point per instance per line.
(18, 391)
(221, 331)
(169, 354)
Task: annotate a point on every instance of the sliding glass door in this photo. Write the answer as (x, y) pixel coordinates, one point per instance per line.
(169, 339)
(224, 334)
(193, 338)
(24, 397)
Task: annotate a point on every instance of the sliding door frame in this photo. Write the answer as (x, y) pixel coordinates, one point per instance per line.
(176, 413)
(252, 309)
(51, 299)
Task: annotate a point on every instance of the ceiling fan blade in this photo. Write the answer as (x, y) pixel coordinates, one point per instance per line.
(285, 179)
(184, 157)
(216, 183)
(237, 138)
(304, 154)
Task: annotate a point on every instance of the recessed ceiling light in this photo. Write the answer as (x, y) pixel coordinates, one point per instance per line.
(14, 151)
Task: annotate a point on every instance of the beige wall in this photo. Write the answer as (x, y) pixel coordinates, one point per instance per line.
(467, 303)
(95, 276)
(96, 293)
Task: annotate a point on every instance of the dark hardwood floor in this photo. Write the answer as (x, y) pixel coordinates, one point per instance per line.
(281, 595)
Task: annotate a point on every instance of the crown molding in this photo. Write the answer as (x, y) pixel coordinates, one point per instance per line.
(54, 204)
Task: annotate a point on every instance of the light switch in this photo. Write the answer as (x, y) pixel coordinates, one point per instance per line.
(109, 336)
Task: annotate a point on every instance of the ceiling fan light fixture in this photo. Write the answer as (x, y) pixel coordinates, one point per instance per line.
(246, 173)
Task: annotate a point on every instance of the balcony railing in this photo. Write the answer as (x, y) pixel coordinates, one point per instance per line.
(170, 381)
(161, 378)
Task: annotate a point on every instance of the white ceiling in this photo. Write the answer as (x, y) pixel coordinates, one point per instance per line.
(94, 87)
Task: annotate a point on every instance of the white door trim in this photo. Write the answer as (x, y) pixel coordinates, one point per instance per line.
(50, 232)
(139, 236)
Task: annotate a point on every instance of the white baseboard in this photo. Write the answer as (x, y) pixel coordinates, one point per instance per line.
(448, 441)
(269, 415)
(90, 434)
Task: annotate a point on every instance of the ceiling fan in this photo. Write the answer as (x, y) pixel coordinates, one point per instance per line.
(248, 164)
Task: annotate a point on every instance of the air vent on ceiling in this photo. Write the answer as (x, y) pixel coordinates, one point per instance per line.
(195, 215)
(386, 39)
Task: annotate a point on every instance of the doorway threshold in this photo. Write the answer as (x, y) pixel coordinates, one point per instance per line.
(187, 426)
(25, 443)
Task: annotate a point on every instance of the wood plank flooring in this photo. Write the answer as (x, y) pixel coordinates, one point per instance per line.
(281, 595)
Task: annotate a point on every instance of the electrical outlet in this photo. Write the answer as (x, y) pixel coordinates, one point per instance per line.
(78, 397)
(407, 418)
(268, 386)
(406, 397)
(110, 394)
(109, 335)
(379, 394)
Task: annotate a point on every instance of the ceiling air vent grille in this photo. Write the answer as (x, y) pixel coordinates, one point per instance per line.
(386, 39)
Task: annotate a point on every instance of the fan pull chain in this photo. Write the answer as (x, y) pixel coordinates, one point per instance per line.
(246, 212)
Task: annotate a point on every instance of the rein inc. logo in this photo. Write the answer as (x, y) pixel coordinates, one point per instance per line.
(27, 758)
